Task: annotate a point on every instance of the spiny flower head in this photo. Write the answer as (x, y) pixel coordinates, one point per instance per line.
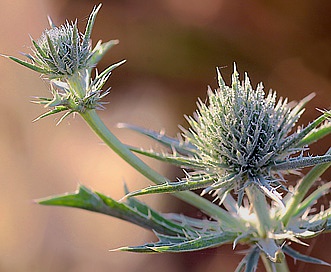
(65, 57)
(242, 133)
(63, 51)
(241, 137)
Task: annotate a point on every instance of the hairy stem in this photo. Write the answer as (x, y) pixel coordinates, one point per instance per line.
(96, 124)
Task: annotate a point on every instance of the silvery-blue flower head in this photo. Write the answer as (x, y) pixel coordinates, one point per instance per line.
(239, 137)
(62, 51)
(243, 137)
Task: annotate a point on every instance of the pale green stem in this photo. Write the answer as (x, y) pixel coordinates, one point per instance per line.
(96, 124)
(302, 188)
(261, 209)
(279, 267)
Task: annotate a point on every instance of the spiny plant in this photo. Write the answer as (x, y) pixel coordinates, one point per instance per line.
(240, 147)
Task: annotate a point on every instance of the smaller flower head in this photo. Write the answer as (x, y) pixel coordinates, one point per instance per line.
(62, 51)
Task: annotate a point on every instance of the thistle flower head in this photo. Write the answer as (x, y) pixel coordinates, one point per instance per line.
(63, 51)
(65, 57)
(242, 133)
(241, 137)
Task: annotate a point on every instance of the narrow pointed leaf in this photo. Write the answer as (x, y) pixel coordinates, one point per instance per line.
(312, 198)
(89, 26)
(199, 243)
(172, 187)
(316, 135)
(294, 141)
(99, 51)
(140, 215)
(29, 65)
(301, 163)
(54, 111)
(250, 261)
(187, 162)
(181, 147)
(301, 257)
(302, 188)
(39, 50)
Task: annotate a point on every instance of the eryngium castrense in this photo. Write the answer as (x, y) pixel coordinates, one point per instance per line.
(241, 137)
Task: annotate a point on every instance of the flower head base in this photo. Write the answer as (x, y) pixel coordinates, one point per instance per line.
(241, 138)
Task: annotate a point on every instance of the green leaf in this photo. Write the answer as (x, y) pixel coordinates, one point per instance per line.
(102, 78)
(301, 257)
(99, 51)
(311, 199)
(181, 245)
(316, 134)
(136, 212)
(54, 111)
(187, 162)
(172, 187)
(89, 26)
(302, 188)
(177, 145)
(29, 65)
(293, 142)
(297, 163)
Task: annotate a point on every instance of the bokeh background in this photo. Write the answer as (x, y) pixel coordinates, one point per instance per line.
(172, 48)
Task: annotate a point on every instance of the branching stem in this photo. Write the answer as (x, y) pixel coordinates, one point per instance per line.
(97, 125)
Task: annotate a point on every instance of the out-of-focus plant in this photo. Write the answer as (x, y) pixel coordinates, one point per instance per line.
(240, 147)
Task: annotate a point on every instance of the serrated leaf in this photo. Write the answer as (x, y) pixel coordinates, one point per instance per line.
(301, 257)
(297, 163)
(179, 146)
(140, 215)
(202, 242)
(172, 187)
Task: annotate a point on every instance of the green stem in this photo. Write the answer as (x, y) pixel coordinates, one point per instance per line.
(302, 188)
(269, 266)
(96, 124)
(260, 206)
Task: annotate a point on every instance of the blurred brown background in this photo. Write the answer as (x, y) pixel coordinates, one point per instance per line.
(172, 48)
